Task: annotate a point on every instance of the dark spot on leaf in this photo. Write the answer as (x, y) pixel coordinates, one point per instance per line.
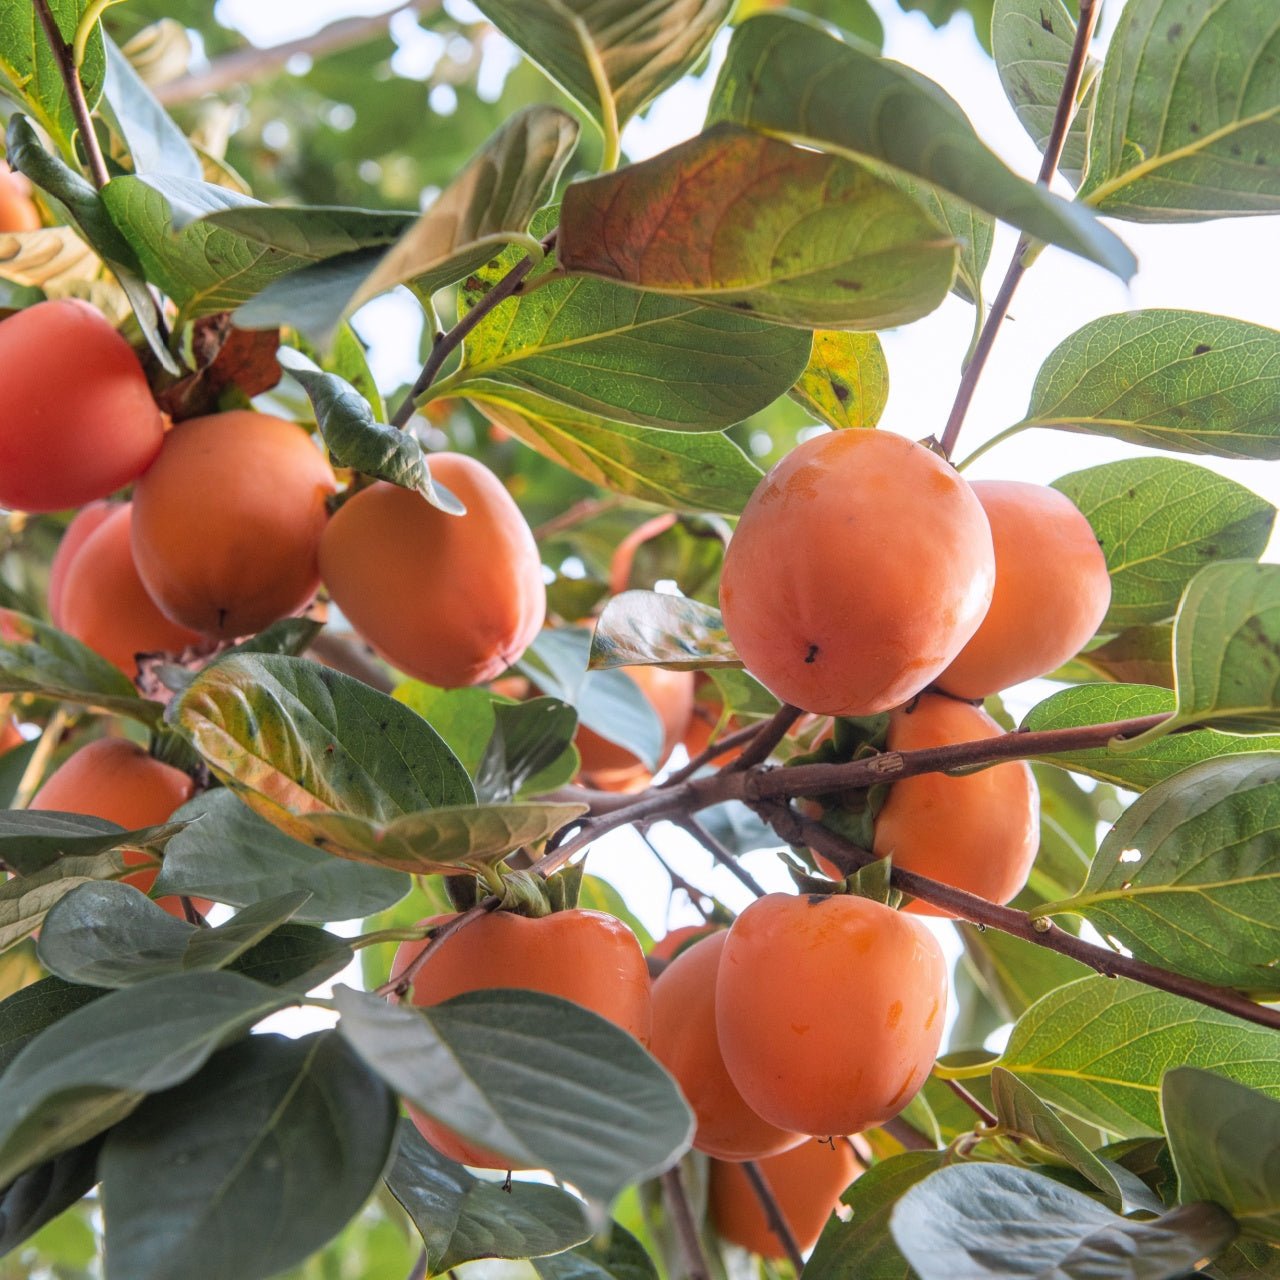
(812, 654)
(1133, 493)
(1261, 160)
(1046, 21)
(1209, 551)
(1193, 127)
(742, 305)
(840, 391)
(854, 285)
(382, 724)
(1257, 635)
(1175, 30)
(1202, 348)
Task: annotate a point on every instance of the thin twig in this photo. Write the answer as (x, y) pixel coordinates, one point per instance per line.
(989, 1118)
(677, 1197)
(419, 1271)
(773, 732)
(582, 510)
(64, 56)
(722, 855)
(1048, 167)
(905, 1134)
(714, 750)
(778, 1223)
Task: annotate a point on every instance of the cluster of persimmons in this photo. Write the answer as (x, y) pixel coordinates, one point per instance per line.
(865, 576)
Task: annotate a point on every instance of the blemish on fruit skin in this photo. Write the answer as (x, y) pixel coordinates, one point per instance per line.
(933, 1013)
(812, 654)
(895, 1015)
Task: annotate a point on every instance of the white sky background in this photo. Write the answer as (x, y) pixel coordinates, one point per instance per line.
(1229, 267)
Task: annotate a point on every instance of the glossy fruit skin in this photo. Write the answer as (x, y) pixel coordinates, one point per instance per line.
(452, 600)
(684, 1041)
(1051, 595)
(807, 1182)
(102, 602)
(979, 832)
(115, 779)
(17, 210)
(610, 767)
(860, 567)
(78, 529)
(829, 1010)
(678, 940)
(78, 420)
(588, 957)
(227, 522)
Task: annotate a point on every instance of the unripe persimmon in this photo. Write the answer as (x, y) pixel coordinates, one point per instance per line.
(1052, 589)
(609, 766)
(979, 831)
(829, 1010)
(78, 420)
(227, 522)
(807, 1183)
(860, 567)
(17, 210)
(684, 1041)
(81, 525)
(116, 780)
(452, 600)
(588, 957)
(101, 600)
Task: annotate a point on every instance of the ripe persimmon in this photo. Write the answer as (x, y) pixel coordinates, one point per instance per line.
(609, 766)
(18, 211)
(684, 1041)
(452, 600)
(78, 529)
(625, 552)
(678, 940)
(79, 420)
(829, 1010)
(116, 780)
(1052, 589)
(100, 599)
(227, 522)
(585, 956)
(978, 832)
(860, 567)
(807, 1182)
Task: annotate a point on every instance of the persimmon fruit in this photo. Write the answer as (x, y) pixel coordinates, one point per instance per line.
(978, 831)
(676, 941)
(829, 1010)
(100, 599)
(609, 766)
(18, 211)
(860, 567)
(589, 957)
(227, 522)
(78, 529)
(1051, 594)
(807, 1182)
(116, 780)
(79, 421)
(684, 1041)
(452, 600)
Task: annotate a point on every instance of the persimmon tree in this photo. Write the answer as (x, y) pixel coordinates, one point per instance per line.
(605, 338)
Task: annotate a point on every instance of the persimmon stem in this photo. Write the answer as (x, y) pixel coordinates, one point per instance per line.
(1013, 275)
(989, 1118)
(677, 1197)
(907, 1135)
(773, 1214)
(64, 55)
(721, 854)
(762, 743)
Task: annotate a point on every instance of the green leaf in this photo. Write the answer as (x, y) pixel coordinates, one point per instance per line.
(1160, 379)
(1189, 877)
(230, 854)
(863, 1246)
(705, 471)
(303, 1132)
(611, 57)
(462, 1218)
(846, 382)
(297, 956)
(92, 1068)
(1187, 120)
(28, 1012)
(531, 1076)
(597, 348)
(488, 204)
(1021, 1111)
(155, 143)
(971, 229)
(790, 78)
(41, 1194)
(295, 738)
(974, 1221)
(1031, 42)
(1096, 1049)
(737, 220)
(356, 440)
(527, 739)
(1146, 760)
(37, 658)
(25, 900)
(1014, 974)
(29, 65)
(1137, 655)
(1225, 1142)
(639, 628)
(1159, 522)
(110, 935)
(33, 839)
(615, 1255)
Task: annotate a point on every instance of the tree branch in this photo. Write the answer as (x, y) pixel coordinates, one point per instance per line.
(1048, 167)
(773, 1214)
(677, 1197)
(722, 855)
(64, 56)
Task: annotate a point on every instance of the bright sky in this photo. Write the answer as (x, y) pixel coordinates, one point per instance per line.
(1227, 267)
